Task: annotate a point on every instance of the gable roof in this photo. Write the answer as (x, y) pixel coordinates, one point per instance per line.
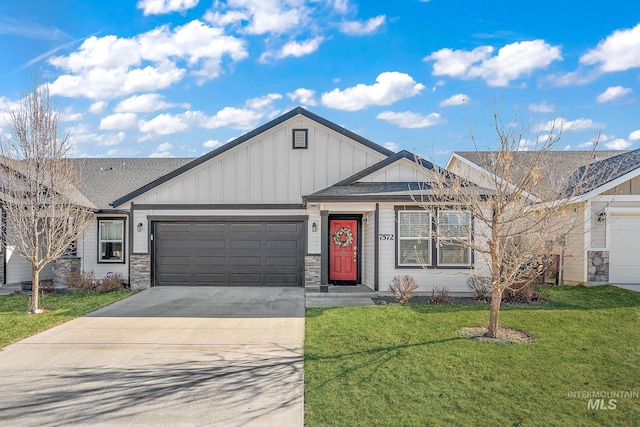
(107, 179)
(240, 140)
(560, 164)
(592, 177)
(352, 190)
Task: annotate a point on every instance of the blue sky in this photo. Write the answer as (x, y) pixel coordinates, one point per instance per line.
(181, 77)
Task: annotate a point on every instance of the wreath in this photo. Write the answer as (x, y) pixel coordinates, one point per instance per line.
(343, 237)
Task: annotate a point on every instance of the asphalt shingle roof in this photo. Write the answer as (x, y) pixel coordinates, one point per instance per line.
(589, 177)
(105, 180)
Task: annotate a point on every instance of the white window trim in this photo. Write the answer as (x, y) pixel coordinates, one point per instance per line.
(100, 241)
(468, 238)
(428, 238)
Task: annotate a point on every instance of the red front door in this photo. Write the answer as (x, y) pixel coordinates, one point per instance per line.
(343, 250)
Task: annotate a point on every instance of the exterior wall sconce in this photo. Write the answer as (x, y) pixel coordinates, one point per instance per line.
(365, 219)
(314, 227)
(602, 216)
(139, 227)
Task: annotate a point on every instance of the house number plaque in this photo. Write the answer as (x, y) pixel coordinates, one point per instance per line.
(385, 236)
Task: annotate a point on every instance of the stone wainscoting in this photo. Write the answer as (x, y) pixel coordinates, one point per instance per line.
(140, 272)
(598, 266)
(312, 270)
(63, 267)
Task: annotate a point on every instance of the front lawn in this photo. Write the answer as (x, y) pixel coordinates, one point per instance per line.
(16, 324)
(408, 365)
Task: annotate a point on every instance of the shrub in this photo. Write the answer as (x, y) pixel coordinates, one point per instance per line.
(80, 281)
(110, 284)
(402, 288)
(440, 296)
(520, 293)
(480, 286)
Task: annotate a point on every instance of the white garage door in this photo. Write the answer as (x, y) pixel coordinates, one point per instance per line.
(624, 239)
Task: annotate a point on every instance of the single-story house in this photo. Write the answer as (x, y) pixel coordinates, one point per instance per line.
(299, 201)
(603, 249)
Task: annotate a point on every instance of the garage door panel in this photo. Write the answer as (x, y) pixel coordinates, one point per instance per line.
(624, 258)
(240, 254)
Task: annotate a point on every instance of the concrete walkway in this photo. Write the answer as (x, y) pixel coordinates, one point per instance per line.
(164, 357)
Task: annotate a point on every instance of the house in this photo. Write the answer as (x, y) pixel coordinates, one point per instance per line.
(299, 201)
(603, 249)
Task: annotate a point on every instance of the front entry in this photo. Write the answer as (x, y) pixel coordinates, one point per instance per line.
(344, 256)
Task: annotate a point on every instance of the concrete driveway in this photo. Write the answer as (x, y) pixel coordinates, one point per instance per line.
(165, 356)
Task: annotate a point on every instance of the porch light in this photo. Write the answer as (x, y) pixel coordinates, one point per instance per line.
(314, 227)
(140, 227)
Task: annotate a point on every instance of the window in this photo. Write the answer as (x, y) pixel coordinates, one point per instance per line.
(111, 240)
(433, 239)
(300, 138)
(414, 238)
(454, 228)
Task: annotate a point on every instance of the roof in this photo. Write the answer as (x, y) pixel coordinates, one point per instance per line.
(351, 189)
(230, 145)
(104, 180)
(593, 176)
(560, 165)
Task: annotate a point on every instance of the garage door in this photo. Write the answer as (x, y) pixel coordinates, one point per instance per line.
(624, 258)
(230, 253)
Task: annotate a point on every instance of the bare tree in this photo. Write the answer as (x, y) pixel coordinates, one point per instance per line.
(515, 212)
(39, 186)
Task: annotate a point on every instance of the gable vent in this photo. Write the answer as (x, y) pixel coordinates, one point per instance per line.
(300, 138)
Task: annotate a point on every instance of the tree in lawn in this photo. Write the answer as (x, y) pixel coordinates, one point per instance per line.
(516, 212)
(39, 186)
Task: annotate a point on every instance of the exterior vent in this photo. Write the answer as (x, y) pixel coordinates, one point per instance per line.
(300, 138)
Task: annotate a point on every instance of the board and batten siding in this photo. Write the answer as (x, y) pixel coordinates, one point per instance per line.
(401, 171)
(267, 170)
(88, 251)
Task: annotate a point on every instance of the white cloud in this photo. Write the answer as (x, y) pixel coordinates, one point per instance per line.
(511, 62)
(304, 96)
(259, 16)
(145, 103)
(237, 118)
(109, 67)
(389, 88)
(82, 135)
(262, 102)
(635, 135)
(119, 121)
(166, 146)
(160, 7)
(410, 120)
(617, 144)
(391, 146)
(618, 52)
(564, 125)
(165, 124)
(458, 99)
(97, 107)
(212, 143)
(294, 48)
(340, 6)
(69, 115)
(357, 28)
(612, 93)
(542, 108)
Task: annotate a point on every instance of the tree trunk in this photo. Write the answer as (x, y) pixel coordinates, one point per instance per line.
(34, 301)
(496, 299)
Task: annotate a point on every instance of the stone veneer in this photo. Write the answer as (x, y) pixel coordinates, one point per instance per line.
(598, 266)
(140, 275)
(312, 269)
(63, 267)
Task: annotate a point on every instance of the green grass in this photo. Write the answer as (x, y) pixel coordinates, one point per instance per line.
(16, 324)
(408, 365)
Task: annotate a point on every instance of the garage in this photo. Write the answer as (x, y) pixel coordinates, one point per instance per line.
(624, 258)
(238, 253)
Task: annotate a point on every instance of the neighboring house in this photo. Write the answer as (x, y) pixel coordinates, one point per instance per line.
(299, 201)
(603, 249)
